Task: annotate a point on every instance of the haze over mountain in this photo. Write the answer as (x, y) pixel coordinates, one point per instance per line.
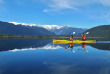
(58, 30)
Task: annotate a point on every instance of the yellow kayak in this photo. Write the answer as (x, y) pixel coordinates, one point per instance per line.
(74, 41)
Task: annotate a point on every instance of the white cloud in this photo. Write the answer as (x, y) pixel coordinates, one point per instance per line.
(1, 1)
(57, 5)
(2, 9)
(105, 2)
(45, 10)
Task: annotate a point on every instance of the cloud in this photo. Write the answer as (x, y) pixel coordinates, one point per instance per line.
(57, 5)
(105, 2)
(2, 9)
(1, 1)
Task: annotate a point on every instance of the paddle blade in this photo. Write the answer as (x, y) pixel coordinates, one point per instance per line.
(73, 32)
(87, 32)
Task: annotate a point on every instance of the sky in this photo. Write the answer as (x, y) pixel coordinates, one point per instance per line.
(76, 13)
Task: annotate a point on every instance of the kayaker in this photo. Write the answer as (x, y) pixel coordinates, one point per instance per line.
(83, 37)
(71, 37)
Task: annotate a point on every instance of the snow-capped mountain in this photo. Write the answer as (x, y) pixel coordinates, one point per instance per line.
(58, 30)
(51, 27)
(22, 29)
(25, 24)
(48, 27)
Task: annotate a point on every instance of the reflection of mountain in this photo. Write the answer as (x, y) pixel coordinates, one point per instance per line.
(101, 46)
(30, 44)
(10, 44)
(47, 47)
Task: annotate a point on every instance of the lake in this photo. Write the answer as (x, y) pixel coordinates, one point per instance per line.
(41, 56)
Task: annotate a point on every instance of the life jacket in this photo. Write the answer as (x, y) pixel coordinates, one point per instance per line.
(71, 38)
(84, 37)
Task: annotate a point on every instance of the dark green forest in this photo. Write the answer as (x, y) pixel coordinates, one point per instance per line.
(102, 31)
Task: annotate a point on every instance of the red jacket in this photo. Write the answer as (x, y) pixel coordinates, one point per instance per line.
(84, 37)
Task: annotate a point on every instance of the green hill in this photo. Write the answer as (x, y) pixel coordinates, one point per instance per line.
(100, 31)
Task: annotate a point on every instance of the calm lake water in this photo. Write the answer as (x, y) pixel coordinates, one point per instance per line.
(39, 56)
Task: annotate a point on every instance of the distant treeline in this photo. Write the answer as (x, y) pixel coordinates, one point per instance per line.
(32, 36)
(6, 36)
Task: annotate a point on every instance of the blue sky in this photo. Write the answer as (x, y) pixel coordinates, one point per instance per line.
(76, 13)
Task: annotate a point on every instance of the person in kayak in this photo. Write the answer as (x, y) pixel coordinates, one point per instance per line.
(71, 37)
(83, 37)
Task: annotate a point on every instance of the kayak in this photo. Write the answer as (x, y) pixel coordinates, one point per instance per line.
(74, 41)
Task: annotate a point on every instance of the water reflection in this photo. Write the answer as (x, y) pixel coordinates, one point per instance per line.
(81, 48)
(48, 58)
(10, 44)
(33, 44)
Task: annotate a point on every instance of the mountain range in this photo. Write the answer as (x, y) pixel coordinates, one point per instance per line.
(10, 28)
(33, 29)
(67, 30)
(58, 30)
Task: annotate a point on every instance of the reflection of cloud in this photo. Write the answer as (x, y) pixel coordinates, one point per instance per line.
(1, 71)
(79, 68)
(57, 68)
(52, 47)
(105, 70)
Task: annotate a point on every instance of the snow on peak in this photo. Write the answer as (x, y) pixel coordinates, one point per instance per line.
(50, 27)
(67, 26)
(15, 23)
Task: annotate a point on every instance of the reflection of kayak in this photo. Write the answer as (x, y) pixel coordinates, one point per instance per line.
(74, 41)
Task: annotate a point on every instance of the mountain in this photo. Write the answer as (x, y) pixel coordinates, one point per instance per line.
(68, 30)
(22, 29)
(51, 27)
(100, 31)
(58, 30)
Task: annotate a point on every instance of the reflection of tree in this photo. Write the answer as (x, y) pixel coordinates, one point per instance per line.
(101, 46)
